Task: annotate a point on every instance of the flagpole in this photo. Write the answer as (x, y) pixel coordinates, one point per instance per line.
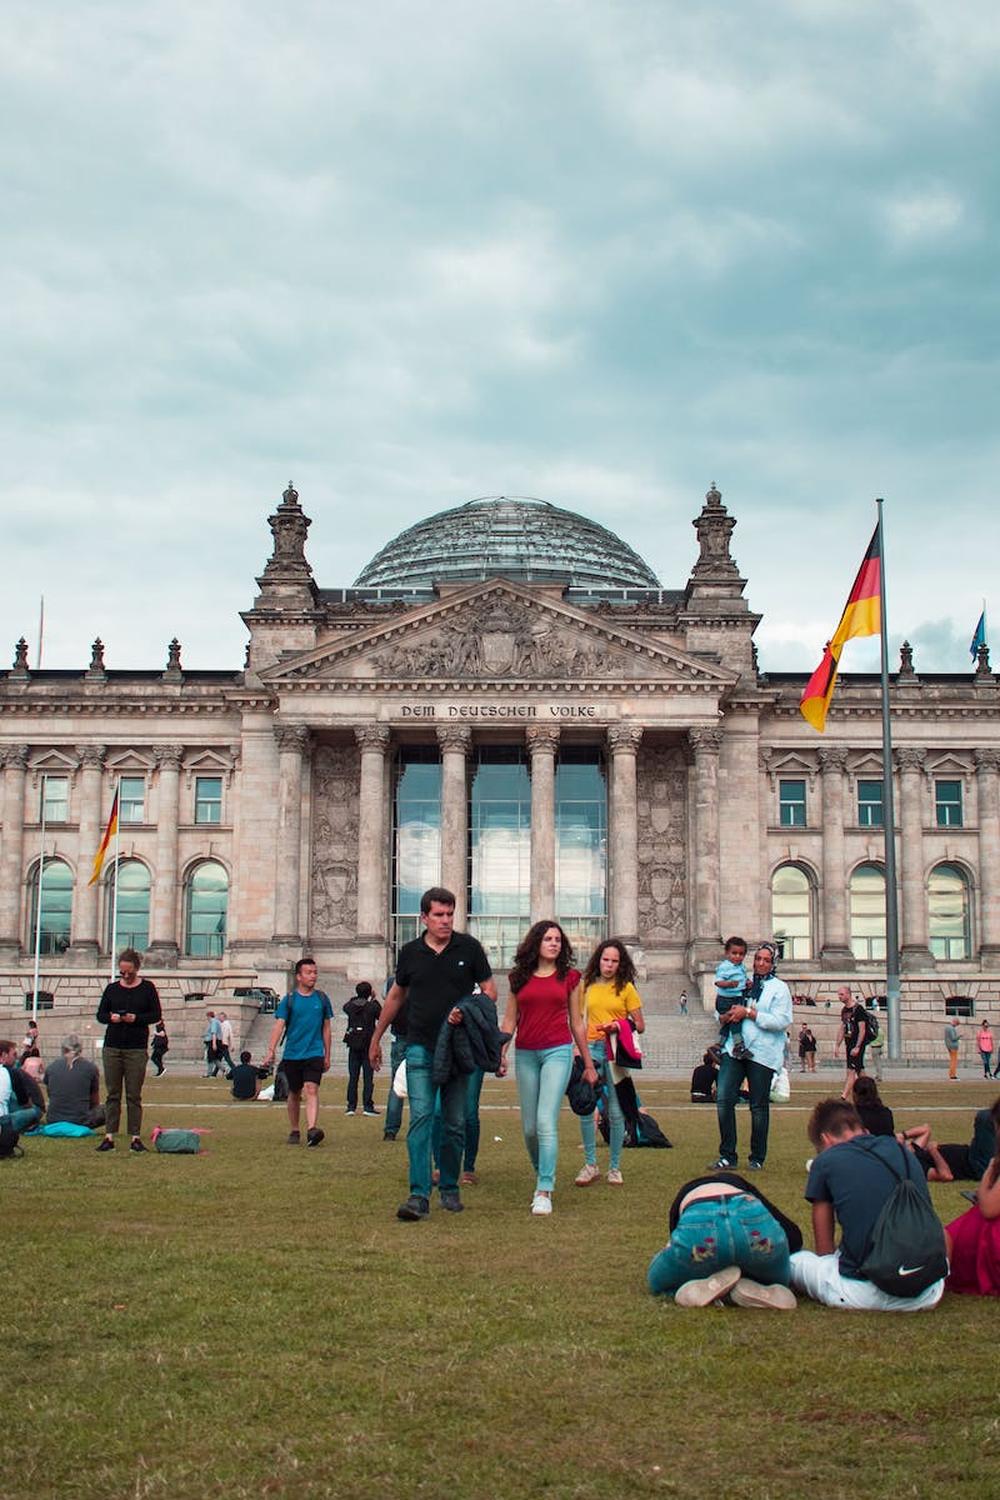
(892, 987)
(38, 911)
(114, 883)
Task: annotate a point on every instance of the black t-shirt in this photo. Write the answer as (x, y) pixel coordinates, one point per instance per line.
(140, 1000)
(877, 1118)
(435, 982)
(244, 1079)
(852, 1177)
(703, 1079)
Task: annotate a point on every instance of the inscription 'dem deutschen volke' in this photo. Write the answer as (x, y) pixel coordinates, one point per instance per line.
(499, 711)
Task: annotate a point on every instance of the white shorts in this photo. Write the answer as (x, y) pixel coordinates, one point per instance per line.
(819, 1277)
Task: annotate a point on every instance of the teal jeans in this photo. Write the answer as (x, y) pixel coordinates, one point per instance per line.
(616, 1120)
(542, 1077)
(713, 1233)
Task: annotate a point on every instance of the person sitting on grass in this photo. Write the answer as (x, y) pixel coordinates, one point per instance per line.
(974, 1237)
(74, 1086)
(727, 1241)
(16, 1107)
(245, 1078)
(703, 1079)
(876, 1116)
(953, 1161)
(850, 1180)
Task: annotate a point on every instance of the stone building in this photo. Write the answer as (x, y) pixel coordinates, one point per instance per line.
(506, 702)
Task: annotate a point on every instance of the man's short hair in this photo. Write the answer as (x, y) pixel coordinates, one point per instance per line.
(436, 896)
(129, 956)
(833, 1117)
(244, 1057)
(72, 1044)
(302, 963)
(8, 1046)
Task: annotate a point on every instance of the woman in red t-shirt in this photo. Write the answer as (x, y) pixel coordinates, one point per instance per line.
(544, 1011)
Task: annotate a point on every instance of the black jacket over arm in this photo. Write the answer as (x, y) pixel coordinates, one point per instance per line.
(476, 1043)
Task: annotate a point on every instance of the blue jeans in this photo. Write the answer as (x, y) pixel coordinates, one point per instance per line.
(472, 1097)
(616, 1120)
(421, 1090)
(714, 1233)
(394, 1106)
(22, 1119)
(731, 1075)
(541, 1083)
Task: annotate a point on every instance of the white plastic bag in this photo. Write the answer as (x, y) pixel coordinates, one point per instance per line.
(399, 1081)
(781, 1088)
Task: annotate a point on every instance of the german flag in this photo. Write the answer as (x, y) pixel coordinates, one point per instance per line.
(109, 834)
(862, 616)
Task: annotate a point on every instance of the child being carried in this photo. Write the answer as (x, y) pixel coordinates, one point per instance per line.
(730, 986)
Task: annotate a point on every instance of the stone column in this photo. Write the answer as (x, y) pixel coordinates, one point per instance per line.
(373, 740)
(543, 742)
(293, 745)
(15, 763)
(455, 740)
(624, 741)
(84, 947)
(164, 946)
(914, 952)
(836, 953)
(987, 767)
(705, 747)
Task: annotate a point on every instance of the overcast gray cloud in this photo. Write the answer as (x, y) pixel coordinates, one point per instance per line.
(410, 254)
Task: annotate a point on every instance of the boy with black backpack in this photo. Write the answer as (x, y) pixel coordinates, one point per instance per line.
(891, 1256)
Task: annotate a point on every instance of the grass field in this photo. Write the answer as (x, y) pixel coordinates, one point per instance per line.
(256, 1322)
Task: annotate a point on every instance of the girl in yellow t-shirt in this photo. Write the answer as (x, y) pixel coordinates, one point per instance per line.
(609, 995)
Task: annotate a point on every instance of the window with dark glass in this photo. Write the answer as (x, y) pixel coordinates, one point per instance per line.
(53, 928)
(792, 803)
(949, 925)
(132, 799)
(867, 912)
(581, 845)
(207, 906)
(948, 804)
(208, 799)
(416, 842)
(870, 806)
(132, 901)
(791, 911)
(499, 850)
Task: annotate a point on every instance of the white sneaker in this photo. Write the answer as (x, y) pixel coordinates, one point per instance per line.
(615, 1178)
(747, 1293)
(541, 1204)
(587, 1174)
(707, 1289)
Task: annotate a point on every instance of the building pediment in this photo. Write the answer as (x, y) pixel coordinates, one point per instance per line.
(497, 632)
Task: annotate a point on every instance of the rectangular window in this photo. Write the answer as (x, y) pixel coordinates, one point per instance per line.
(792, 804)
(870, 809)
(55, 799)
(948, 804)
(46, 1000)
(208, 799)
(132, 800)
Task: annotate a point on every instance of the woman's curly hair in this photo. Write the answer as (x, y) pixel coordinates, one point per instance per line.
(626, 968)
(529, 950)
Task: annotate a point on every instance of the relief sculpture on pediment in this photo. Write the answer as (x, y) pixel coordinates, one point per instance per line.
(334, 870)
(662, 856)
(491, 642)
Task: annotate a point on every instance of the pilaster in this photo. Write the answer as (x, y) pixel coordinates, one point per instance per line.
(455, 741)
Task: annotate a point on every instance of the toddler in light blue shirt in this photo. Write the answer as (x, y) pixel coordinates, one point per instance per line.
(730, 985)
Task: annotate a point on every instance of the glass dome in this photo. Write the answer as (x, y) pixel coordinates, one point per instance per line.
(510, 537)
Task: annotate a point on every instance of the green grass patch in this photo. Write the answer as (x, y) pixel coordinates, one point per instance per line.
(256, 1322)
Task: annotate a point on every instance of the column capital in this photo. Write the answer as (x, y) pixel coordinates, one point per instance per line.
(454, 737)
(987, 759)
(372, 736)
(15, 757)
(625, 739)
(293, 737)
(705, 741)
(168, 757)
(832, 759)
(544, 738)
(92, 756)
(910, 757)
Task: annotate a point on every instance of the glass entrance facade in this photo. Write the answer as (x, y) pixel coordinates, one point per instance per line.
(582, 846)
(416, 842)
(499, 850)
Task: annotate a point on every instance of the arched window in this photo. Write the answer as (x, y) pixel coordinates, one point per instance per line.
(949, 928)
(791, 911)
(57, 907)
(868, 912)
(207, 904)
(133, 906)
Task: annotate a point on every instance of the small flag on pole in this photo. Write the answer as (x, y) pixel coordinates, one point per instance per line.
(979, 637)
(862, 616)
(109, 834)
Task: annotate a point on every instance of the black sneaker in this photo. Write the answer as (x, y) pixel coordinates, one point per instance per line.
(314, 1136)
(389, 1135)
(722, 1165)
(414, 1208)
(136, 1145)
(293, 1137)
(452, 1202)
(755, 1165)
(371, 1110)
(107, 1144)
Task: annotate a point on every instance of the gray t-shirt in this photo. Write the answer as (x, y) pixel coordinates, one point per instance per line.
(70, 1090)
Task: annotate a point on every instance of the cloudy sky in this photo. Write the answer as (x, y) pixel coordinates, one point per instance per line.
(410, 253)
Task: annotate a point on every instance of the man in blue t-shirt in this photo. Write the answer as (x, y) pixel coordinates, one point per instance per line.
(305, 1017)
(849, 1181)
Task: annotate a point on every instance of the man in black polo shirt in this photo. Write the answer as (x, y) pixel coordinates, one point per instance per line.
(433, 973)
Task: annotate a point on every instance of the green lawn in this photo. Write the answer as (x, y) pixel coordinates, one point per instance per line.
(256, 1322)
